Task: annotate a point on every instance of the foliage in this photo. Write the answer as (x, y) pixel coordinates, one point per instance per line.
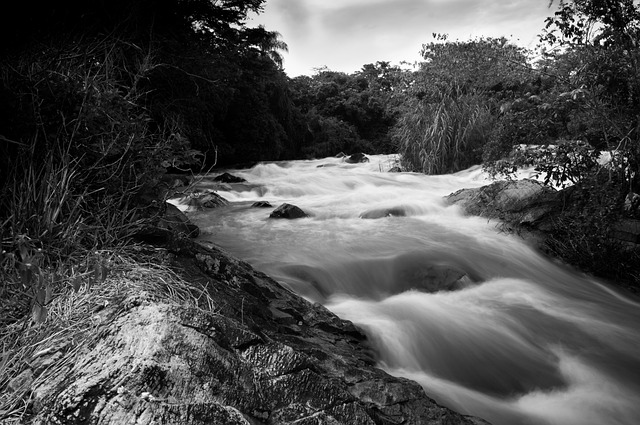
(452, 102)
(582, 235)
(481, 65)
(444, 137)
(599, 40)
(359, 109)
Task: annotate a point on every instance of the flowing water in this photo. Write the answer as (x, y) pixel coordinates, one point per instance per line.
(520, 339)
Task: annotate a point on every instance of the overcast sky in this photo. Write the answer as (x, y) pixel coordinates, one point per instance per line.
(346, 34)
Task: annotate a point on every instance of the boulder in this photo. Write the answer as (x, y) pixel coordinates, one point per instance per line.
(261, 204)
(288, 211)
(384, 212)
(357, 158)
(166, 221)
(202, 200)
(229, 178)
(521, 202)
(260, 355)
(417, 271)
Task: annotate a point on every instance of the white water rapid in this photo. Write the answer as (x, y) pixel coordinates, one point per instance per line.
(522, 340)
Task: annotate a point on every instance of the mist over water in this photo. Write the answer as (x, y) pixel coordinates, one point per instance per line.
(519, 340)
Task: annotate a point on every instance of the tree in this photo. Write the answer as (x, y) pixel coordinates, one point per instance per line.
(268, 43)
(599, 39)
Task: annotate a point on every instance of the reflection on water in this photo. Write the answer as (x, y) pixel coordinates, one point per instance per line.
(511, 336)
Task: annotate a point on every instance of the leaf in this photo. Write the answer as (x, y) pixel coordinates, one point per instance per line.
(104, 273)
(77, 282)
(26, 275)
(39, 313)
(40, 296)
(97, 272)
(48, 294)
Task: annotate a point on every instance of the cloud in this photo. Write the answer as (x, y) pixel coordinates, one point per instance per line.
(346, 34)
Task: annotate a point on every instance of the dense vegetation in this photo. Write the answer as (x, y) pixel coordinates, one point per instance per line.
(99, 99)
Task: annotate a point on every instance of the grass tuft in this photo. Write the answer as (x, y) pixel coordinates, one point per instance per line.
(443, 136)
(81, 300)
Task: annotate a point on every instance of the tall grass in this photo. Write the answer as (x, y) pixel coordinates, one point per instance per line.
(78, 147)
(443, 136)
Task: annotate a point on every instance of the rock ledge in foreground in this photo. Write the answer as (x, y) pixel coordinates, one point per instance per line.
(263, 356)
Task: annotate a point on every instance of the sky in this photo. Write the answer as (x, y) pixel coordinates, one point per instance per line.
(344, 35)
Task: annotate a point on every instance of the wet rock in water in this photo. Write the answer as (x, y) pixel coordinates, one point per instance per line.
(262, 355)
(384, 212)
(357, 158)
(522, 202)
(341, 155)
(202, 200)
(418, 272)
(261, 204)
(395, 170)
(229, 178)
(169, 222)
(288, 211)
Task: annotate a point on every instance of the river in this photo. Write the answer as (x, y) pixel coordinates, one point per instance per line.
(521, 339)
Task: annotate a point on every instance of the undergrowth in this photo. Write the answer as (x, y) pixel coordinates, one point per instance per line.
(444, 136)
(78, 152)
(79, 299)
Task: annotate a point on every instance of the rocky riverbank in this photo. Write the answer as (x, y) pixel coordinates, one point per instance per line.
(258, 354)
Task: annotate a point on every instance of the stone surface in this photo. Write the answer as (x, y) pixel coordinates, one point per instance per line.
(522, 202)
(262, 204)
(166, 221)
(288, 211)
(530, 208)
(262, 356)
(202, 200)
(228, 178)
(357, 158)
(384, 212)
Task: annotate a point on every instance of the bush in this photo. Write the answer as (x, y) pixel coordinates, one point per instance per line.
(443, 137)
(78, 147)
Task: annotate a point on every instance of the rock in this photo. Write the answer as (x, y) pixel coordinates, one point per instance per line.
(357, 158)
(166, 222)
(395, 170)
(384, 212)
(288, 211)
(229, 178)
(175, 220)
(416, 271)
(521, 202)
(341, 155)
(261, 204)
(202, 200)
(261, 355)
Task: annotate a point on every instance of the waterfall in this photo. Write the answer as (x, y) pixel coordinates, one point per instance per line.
(513, 337)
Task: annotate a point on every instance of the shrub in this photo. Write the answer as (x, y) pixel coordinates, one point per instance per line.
(78, 146)
(445, 136)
